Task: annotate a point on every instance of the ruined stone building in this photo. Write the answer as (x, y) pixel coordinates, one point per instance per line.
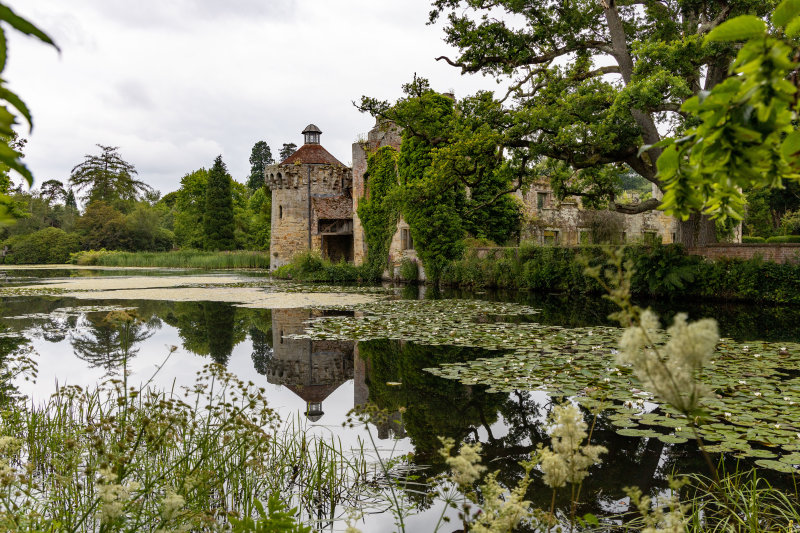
(315, 201)
(315, 198)
(548, 220)
(312, 204)
(402, 245)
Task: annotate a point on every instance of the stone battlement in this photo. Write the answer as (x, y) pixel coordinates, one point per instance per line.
(330, 179)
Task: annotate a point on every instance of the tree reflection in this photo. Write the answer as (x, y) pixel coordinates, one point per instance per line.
(104, 342)
(509, 426)
(209, 328)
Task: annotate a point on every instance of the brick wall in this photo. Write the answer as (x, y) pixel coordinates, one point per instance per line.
(779, 253)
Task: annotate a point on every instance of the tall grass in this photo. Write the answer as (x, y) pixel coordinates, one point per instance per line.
(115, 458)
(742, 501)
(177, 259)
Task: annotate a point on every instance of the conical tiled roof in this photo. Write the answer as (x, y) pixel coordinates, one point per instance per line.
(312, 154)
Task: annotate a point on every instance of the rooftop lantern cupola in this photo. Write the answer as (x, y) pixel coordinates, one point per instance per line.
(311, 134)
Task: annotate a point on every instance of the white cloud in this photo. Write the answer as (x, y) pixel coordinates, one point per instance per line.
(176, 83)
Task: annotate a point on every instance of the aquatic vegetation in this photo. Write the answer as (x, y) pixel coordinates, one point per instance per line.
(754, 401)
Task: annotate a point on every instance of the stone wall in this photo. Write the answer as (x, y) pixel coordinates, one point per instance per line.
(779, 253)
(565, 222)
(330, 190)
(378, 136)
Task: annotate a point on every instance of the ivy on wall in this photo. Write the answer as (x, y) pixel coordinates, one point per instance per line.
(379, 210)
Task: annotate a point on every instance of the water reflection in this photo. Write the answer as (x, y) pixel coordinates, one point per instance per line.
(390, 374)
(105, 344)
(310, 369)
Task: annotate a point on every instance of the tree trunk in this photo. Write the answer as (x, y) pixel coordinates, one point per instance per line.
(699, 230)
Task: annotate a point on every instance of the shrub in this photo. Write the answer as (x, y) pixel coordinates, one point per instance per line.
(46, 246)
(663, 271)
(310, 266)
(753, 240)
(409, 271)
(781, 239)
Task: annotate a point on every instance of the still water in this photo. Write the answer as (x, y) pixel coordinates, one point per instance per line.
(319, 381)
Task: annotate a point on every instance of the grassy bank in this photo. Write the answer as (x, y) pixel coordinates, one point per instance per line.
(661, 271)
(309, 266)
(176, 259)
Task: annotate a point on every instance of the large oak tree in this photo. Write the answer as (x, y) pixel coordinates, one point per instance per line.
(591, 82)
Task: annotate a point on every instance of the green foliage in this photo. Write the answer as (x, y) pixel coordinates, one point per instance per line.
(260, 157)
(287, 149)
(260, 212)
(102, 226)
(589, 82)
(746, 239)
(144, 230)
(409, 270)
(310, 266)
(218, 224)
(453, 179)
(175, 259)
(745, 136)
(108, 178)
(48, 245)
(10, 155)
(662, 271)
(189, 206)
(379, 211)
(277, 518)
(784, 239)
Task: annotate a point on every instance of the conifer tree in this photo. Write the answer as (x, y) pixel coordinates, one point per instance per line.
(287, 150)
(218, 218)
(260, 157)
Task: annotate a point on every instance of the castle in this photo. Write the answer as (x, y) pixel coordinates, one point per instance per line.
(315, 201)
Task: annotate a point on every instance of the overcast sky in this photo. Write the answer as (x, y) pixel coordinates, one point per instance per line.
(174, 83)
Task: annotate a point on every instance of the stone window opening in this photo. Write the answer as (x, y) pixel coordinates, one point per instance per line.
(280, 211)
(541, 200)
(550, 236)
(406, 242)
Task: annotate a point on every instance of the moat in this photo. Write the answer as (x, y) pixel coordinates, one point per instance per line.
(315, 380)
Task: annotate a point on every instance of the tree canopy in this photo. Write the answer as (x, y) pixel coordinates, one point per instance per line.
(589, 84)
(287, 150)
(260, 157)
(107, 177)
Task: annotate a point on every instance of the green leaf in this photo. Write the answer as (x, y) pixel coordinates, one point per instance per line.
(667, 164)
(22, 25)
(793, 28)
(12, 158)
(739, 28)
(790, 147)
(786, 11)
(17, 102)
(3, 49)
(591, 519)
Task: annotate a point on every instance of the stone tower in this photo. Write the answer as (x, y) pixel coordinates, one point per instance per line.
(312, 204)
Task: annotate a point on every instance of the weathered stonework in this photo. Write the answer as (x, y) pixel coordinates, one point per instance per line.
(549, 221)
(316, 218)
(401, 246)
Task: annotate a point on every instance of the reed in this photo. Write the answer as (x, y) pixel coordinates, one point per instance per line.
(195, 259)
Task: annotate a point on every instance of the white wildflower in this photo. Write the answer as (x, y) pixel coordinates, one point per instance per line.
(112, 496)
(669, 370)
(171, 504)
(501, 511)
(466, 467)
(569, 460)
(9, 445)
